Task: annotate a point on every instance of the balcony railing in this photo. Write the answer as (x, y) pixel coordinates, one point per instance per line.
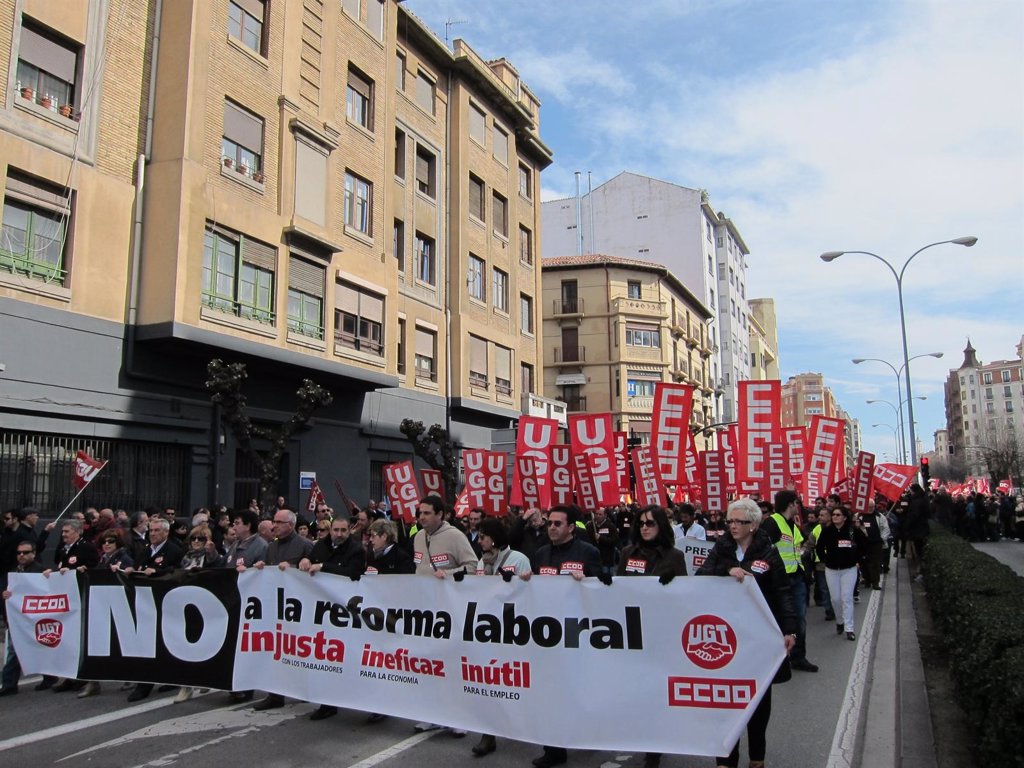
(638, 306)
(565, 306)
(640, 402)
(577, 354)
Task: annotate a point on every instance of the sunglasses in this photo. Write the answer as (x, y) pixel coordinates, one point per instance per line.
(199, 538)
(555, 523)
(110, 541)
(25, 552)
(648, 524)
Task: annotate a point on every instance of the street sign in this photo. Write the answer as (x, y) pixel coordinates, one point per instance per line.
(306, 480)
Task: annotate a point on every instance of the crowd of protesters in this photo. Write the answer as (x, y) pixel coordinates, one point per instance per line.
(798, 555)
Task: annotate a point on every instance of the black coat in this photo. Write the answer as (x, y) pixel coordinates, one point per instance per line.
(166, 559)
(575, 553)
(78, 554)
(656, 560)
(347, 559)
(395, 560)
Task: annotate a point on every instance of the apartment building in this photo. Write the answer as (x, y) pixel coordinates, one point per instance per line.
(983, 406)
(764, 340)
(805, 396)
(287, 184)
(613, 328)
(645, 218)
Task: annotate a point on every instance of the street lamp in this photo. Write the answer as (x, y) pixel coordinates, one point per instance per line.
(833, 255)
(899, 376)
(895, 438)
(898, 410)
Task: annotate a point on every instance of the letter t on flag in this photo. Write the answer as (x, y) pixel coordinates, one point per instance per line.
(86, 469)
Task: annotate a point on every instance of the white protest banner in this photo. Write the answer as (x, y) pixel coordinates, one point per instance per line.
(480, 655)
(44, 621)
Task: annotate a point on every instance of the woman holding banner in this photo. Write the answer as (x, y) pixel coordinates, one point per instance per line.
(653, 553)
(746, 551)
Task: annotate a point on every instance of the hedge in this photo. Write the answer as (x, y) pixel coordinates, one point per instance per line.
(979, 603)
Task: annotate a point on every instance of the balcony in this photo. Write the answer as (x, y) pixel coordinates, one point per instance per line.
(640, 403)
(677, 325)
(626, 305)
(577, 354)
(631, 352)
(567, 308)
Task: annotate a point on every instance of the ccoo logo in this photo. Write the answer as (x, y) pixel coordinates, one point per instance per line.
(49, 632)
(709, 642)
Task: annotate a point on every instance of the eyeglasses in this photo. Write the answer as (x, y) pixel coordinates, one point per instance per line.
(738, 522)
(838, 514)
(25, 552)
(199, 538)
(555, 523)
(110, 541)
(648, 523)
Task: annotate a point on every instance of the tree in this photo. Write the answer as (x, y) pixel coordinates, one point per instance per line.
(1001, 452)
(225, 385)
(435, 447)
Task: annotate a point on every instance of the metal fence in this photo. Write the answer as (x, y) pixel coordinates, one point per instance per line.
(36, 471)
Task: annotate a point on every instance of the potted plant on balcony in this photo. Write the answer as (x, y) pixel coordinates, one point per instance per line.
(257, 176)
(28, 92)
(66, 110)
(46, 102)
(228, 162)
(242, 168)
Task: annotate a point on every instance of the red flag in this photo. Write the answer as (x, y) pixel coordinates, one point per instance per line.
(402, 492)
(843, 489)
(316, 496)
(760, 423)
(863, 475)
(891, 480)
(777, 467)
(485, 480)
(433, 482)
(649, 489)
(85, 469)
(794, 437)
(462, 505)
(561, 478)
(526, 469)
(622, 462)
(534, 438)
(585, 488)
(727, 445)
(824, 441)
(714, 472)
(815, 485)
(591, 437)
(670, 424)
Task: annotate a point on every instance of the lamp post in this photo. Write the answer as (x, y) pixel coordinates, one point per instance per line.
(895, 438)
(833, 255)
(898, 410)
(899, 376)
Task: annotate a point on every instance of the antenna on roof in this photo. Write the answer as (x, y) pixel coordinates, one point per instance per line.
(449, 24)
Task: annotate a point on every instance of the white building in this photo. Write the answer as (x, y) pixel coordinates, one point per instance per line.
(639, 217)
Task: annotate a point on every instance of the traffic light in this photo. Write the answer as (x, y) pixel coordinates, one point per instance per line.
(926, 471)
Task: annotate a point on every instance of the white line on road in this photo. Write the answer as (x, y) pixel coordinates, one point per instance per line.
(395, 749)
(845, 738)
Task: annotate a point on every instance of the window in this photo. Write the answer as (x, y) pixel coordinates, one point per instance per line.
(425, 91)
(400, 71)
(525, 378)
(245, 22)
(426, 353)
(478, 362)
(525, 245)
(401, 345)
(1009, 406)
(987, 377)
(642, 335)
(398, 244)
(425, 260)
(503, 370)
(1007, 392)
(359, 99)
(351, 7)
(499, 208)
(477, 125)
(476, 198)
(358, 319)
(711, 265)
(35, 225)
(400, 153)
(426, 172)
(47, 65)
(525, 182)
(1004, 375)
(238, 275)
(475, 281)
(990, 407)
(500, 148)
(525, 313)
(375, 18)
(242, 143)
(988, 392)
(640, 387)
(711, 293)
(499, 290)
(358, 204)
(305, 298)
(633, 289)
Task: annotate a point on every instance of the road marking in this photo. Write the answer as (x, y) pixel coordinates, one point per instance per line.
(395, 749)
(173, 756)
(844, 740)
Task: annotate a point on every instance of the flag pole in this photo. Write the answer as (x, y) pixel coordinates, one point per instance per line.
(63, 511)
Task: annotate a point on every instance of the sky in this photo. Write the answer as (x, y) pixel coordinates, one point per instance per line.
(815, 126)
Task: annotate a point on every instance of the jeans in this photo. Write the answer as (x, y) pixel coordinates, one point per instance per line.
(822, 584)
(757, 729)
(841, 582)
(12, 667)
(798, 587)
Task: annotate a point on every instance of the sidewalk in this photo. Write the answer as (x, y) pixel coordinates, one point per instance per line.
(897, 721)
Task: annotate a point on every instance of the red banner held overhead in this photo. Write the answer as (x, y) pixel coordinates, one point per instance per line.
(691, 469)
(433, 482)
(526, 471)
(402, 493)
(863, 476)
(824, 441)
(670, 430)
(591, 436)
(777, 468)
(760, 415)
(715, 481)
(316, 496)
(622, 462)
(462, 504)
(891, 480)
(649, 489)
(795, 438)
(535, 437)
(841, 469)
(561, 478)
(485, 480)
(586, 493)
(843, 489)
(727, 445)
(815, 486)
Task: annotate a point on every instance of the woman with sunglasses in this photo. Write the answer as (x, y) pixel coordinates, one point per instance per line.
(746, 551)
(840, 547)
(652, 553)
(201, 553)
(113, 553)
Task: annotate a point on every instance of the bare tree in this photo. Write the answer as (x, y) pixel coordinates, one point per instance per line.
(1002, 452)
(435, 447)
(225, 385)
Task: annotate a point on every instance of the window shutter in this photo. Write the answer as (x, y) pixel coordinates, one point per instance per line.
(359, 84)
(259, 254)
(422, 169)
(306, 277)
(477, 355)
(37, 192)
(424, 343)
(243, 128)
(371, 307)
(47, 55)
(476, 197)
(503, 363)
(252, 7)
(346, 298)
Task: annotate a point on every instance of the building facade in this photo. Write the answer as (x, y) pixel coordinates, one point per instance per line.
(805, 396)
(613, 328)
(316, 189)
(764, 340)
(644, 218)
(984, 402)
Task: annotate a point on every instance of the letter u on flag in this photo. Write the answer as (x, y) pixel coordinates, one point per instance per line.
(86, 469)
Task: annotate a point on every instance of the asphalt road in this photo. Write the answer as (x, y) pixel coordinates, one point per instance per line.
(43, 728)
(1005, 551)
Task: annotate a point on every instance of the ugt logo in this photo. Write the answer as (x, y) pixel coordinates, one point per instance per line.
(709, 642)
(49, 632)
